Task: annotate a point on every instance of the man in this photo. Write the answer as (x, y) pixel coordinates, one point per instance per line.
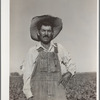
(47, 67)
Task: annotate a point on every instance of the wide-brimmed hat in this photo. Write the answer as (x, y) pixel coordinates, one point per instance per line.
(55, 21)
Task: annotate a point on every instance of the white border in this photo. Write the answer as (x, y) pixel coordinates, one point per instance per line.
(5, 49)
(97, 50)
(5, 41)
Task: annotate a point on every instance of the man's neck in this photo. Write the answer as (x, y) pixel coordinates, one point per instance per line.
(46, 46)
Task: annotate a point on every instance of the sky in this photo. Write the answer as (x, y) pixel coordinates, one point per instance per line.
(78, 36)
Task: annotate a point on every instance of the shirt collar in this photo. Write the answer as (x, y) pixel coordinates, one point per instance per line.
(51, 45)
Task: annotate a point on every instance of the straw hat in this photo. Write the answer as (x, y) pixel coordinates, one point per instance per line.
(55, 21)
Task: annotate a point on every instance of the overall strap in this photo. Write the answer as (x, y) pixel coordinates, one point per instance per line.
(56, 48)
(40, 49)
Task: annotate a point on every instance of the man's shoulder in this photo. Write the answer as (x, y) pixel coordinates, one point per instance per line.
(61, 48)
(33, 49)
(59, 45)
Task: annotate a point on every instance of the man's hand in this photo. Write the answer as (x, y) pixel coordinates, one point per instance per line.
(31, 98)
(65, 79)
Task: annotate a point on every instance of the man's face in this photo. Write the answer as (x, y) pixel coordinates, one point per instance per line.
(45, 34)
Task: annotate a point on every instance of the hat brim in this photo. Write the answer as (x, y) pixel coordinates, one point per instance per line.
(57, 25)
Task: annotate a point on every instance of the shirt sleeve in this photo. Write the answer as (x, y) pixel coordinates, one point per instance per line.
(27, 88)
(28, 67)
(66, 60)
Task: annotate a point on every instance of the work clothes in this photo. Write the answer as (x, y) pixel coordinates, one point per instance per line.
(45, 77)
(30, 62)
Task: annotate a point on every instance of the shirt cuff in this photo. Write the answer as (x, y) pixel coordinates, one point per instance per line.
(28, 95)
(73, 73)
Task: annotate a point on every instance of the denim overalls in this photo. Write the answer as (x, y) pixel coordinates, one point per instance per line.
(47, 73)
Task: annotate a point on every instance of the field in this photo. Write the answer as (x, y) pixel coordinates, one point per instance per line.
(81, 87)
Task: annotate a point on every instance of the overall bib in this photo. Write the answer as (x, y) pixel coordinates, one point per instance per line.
(45, 77)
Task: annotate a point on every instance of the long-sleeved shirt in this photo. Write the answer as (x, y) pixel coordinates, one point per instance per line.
(30, 60)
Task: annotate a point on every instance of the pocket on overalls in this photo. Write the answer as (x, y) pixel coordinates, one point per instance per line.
(43, 65)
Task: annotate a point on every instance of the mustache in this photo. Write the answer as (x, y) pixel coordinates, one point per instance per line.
(45, 36)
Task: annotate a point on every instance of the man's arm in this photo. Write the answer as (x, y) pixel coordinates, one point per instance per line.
(66, 60)
(28, 67)
(27, 89)
(67, 66)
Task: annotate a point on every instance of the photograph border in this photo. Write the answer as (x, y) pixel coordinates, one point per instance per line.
(5, 50)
